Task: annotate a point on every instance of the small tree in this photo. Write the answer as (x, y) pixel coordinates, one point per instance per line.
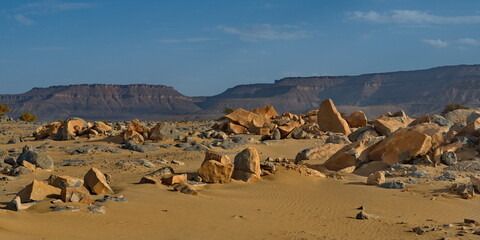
(453, 106)
(227, 110)
(28, 117)
(4, 109)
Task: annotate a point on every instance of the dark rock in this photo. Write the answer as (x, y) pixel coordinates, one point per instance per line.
(418, 230)
(97, 209)
(449, 158)
(418, 174)
(41, 160)
(364, 216)
(162, 172)
(447, 176)
(131, 145)
(337, 139)
(393, 185)
(466, 166)
(276, 135)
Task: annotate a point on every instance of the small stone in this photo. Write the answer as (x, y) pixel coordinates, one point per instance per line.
(185, 188)
(418, 230)
(174, 179)
(149, 180)
(393, 185)
(97, 209)
(471, 221)
(376, 178)
(365, 216)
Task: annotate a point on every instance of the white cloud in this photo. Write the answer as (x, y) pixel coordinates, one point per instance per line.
(468, 41)
(24, 12)
(436, 42)
(23, 20)
(411, 16)
(257, 32)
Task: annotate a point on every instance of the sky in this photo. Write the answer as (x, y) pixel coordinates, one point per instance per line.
(201, 48)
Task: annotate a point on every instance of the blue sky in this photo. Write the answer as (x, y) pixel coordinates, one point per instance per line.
(204, 47)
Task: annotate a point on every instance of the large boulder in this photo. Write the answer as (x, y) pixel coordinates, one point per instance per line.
(72, 128)
(387, 125)
(321, 153)
(357, 119)
(405, 145)
(48, 131)
(165, 131)
(135, 132)
(96, 182)
(236, 129)
(249, 120)
(268, 112)
(352, 155)
(216, 168)
(64, 181)
(101, 127)
(37, 191)
(76, 194)
(329, 119)
(247, 165)
(460, 115)
(39, 159)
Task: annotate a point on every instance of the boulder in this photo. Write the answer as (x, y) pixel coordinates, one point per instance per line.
(174, 179)
(37, 191)
(149, 180)
(249, 120)
(48, 131)
(247, 165)
(437, 119)
(285, 130)
(219, 157)
(64, 181)
(405, 145)
(352, 154)
(298, 133)
(475, 180)
(357, 119)
(101, 127)
(236, 129)
(329, 119)
(268, 112)
(96, 182)
(135, 132)
(131, 135)
(71, 128)
(460, 115)
(439, 151)
(385, 126)
(376, 178)
(264, 131)
(76, 194)
(322, 152)
(39, 159)
(212, 171)
(276, 134)
(165, 131)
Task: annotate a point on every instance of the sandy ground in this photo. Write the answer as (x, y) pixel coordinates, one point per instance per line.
(286, 205)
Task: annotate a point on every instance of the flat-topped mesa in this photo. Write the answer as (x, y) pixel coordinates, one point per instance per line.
(330, 120)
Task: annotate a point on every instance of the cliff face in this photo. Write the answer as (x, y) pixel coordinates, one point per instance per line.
(418, 92)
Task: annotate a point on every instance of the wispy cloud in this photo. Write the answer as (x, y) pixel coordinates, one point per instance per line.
(436, 42)
(257, 32)
(468, 41)
(191, 40)
(23, 14)
(411, 16)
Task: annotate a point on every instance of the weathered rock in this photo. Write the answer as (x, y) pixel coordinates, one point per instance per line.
(174, 179)
(185, 188)
(149, 180)
(236, 129)
(357, 119)
(247, 165)
(449, 158)
(134, 136)
(298, 133)
(249, 120)
(212, 171)
(71, 128)
(162, 172)
(64, 181)
(96, 182)
(393, 185)
(356, 134)
(268, 112)
(460, 115)
(165, 131)
(362, 215)
(28, 166)
(48, 131)
(437, 119)
(475, 180)
(37, 191)
(97, 209)
(386, 126)
(41, 160)
(322, 152)
(263, 131)
(465, 190)
(352, 154)
(76, 194)
(405, 145)
(276, 135)
(329, 119)
(101, 127)
(376, 178)
(285, 130)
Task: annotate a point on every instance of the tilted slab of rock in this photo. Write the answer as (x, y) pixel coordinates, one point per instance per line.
(285, 130)
(352, 154)
(101, 127)
(96, 182)
(220, 157)
(460, 115)
(322, 152)
(329, 119)
(64, 181)
(174, 179)
(48, 131)
(405, 145)
(39, 159)
(386, 125)
(71, 128)
(249, 120)
(267, 112)
(357, 119)
(236, 129)
(165, 131)
(247, 165)
(37, 191)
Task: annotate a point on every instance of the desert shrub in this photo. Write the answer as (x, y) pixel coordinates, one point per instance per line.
(453, 106)
(227, 110)
(4, 109)
(28, 117)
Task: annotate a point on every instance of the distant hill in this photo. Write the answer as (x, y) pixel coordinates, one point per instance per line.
(418, 92)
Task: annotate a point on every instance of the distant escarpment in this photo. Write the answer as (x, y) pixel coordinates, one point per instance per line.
(417, 92)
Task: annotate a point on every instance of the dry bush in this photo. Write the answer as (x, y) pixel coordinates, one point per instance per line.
(453, 106)
(4, 109)
(28, 117)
